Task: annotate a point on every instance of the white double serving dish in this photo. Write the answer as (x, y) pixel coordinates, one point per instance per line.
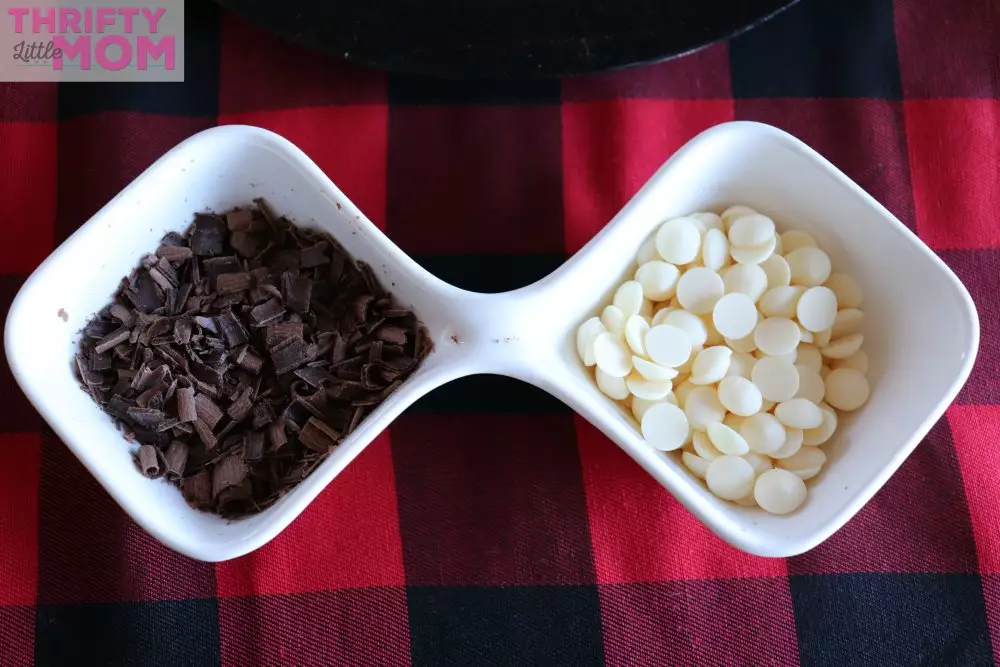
(922, 331)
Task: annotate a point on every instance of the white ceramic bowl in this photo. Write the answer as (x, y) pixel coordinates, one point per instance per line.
(922, 331)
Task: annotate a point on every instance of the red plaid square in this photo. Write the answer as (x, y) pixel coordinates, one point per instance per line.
(640, 533)
(948, 48)
(865, 138)
(956, 175)
(277, 74)
(19, 471)
(700, 75)
(100, 154)
(17, 636)
(611, 148)
(902, 529)
(350, 627)
(710, 623)
(472, 179)
(491, 499)
(90, 551)
(347, 142)
(27, 193)
(991, 596)
(977, 432)
(347, 538)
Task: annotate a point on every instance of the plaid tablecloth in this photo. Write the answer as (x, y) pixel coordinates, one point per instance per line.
(490, 525)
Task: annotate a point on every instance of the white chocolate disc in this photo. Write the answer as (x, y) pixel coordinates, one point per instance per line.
(741, 364)
(726, 440)
(842, 348)
(678, 241)
(858, 361)
(665, 427)
(703, 408)
(611, 355)
(708, 220)
(809, 356)
(714, 249)
(585, 335)
(740, 396)
(636, 329)
(751, 230)
(730, 477)
(690, 324)
(640, 405)
(846, 389)
(681, 391)
(667, 345)
(777, 271)
(753, 254)
(776, 378)
(734, 315)
(811, 385)
(763, 433)
(817, 308)
(776, 336)
(653, 372)
(848, 321)
(629, 298)
(613, 387)
(732, 213)
(781, 301)
(710, 365)
(613, 320)
(779, 492)
(846, 288)
(703, 446)
(698, 290)
(643, 388)
(658, 280)
(647, 251)
(795, 239)
(749, 279)
(760, 463)
(799, 413)
(810, 266)
(805, 458)
(822, 433)
(697, 465)
(744, 345)
(792, 444)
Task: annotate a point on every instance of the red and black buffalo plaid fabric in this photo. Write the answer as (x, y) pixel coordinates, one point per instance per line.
(490, 525)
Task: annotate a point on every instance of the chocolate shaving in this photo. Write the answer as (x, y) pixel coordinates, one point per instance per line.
(148, 459)
(241, 353)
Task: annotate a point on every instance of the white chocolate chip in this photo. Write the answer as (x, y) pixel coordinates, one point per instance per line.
(799, 413)
(858, 361)
(611, 355)
(665, 427)
(585, 336)
(748, 279)
(636, 329)
(629, 298)
(811, 386)
(678, 241)
(846, 288)
(777, 336)
(792, 444)
(730, 477)
(667, 345)
(658, 280)
(751, 230)
(763, 432)
(842, 348)
(698, 290)
(643, 388)
(846, 389)
(779, 491)
(848, 321)
(739, 396)
(781, 301)
(690, 324)
(776, 378)
(726, 440)
(735, 315)
(753, 254)
(703, 446)
(703, 408)
(714, 250)
(710, 365)
(795, 239)
(817, 308)
(777, 271)
(613, 320)
(697, 465)
(822, 433)
(653, 372)
(810, 266)
(613, 387)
